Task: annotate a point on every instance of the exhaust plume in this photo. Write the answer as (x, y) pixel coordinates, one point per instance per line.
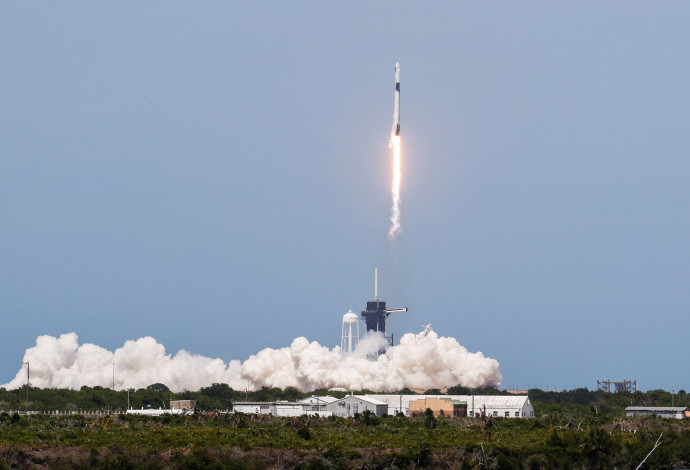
(395, 208)
(422, 361)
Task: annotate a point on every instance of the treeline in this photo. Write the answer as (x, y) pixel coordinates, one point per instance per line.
(581, 401)
(591, 404)
(215, 397)
(583, 396)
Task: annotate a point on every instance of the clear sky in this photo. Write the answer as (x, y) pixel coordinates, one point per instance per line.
(217, 175)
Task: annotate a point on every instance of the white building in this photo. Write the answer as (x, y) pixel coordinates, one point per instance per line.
(508, 406)
(677, 412)
(279, 408)
(156, 411)
(352, 404)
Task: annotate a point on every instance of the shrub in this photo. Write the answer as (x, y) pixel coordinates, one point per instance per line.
(369, 418)
(304, 433)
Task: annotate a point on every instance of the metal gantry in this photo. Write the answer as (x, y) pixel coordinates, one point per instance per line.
(624, 386)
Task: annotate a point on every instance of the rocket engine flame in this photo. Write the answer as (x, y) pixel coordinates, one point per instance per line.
(421, 361)
(395, 208)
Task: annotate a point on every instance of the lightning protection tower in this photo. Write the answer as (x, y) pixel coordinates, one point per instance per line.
(376, 313)
(350, 337)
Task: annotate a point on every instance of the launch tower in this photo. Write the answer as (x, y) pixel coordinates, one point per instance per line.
(376, 313)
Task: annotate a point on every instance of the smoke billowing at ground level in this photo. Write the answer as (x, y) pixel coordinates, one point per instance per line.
(422, 361)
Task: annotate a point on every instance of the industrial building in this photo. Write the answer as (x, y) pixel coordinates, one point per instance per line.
(352, 404)
(439, 407)
(279, 408)
(177, 407)
(676, 412)
(184, 405)
(156, 411)
(509, 406)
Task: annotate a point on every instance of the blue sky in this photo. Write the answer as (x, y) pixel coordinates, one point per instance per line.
(217, 176)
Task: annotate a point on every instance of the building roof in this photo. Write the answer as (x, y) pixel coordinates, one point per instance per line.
(367, 398)
(318, 400)
(267, 403)
(455, 402)
(676, 409)
(373, 401)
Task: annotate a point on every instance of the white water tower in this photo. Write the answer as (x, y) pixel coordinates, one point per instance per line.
(350, 336)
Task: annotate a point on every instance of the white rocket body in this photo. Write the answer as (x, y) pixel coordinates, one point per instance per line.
(395, 131)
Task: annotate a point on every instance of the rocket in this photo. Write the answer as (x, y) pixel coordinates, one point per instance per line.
(395, 131)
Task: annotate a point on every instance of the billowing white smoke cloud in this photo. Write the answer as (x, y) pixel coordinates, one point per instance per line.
(421, 361)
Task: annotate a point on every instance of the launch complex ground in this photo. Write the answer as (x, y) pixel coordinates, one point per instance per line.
(569, 429)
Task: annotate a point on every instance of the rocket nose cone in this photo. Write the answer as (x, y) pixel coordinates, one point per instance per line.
(397, 65)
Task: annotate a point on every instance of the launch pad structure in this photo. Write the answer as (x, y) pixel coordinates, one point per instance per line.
(624, 386)
(376, 313)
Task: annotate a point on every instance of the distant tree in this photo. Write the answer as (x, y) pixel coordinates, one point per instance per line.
(490, 391)
(369, 418)
(429, 420)
(459, 390)
(582, 396)
(264, 394)
(158, 387)
(217, 391)
(291, 394)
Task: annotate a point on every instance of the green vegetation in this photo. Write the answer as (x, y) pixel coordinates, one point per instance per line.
(575, 429)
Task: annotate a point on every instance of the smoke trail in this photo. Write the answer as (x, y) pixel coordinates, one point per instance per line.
(422, 361)
(395, 208)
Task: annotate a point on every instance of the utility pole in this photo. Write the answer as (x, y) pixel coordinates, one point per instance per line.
(27, 387)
